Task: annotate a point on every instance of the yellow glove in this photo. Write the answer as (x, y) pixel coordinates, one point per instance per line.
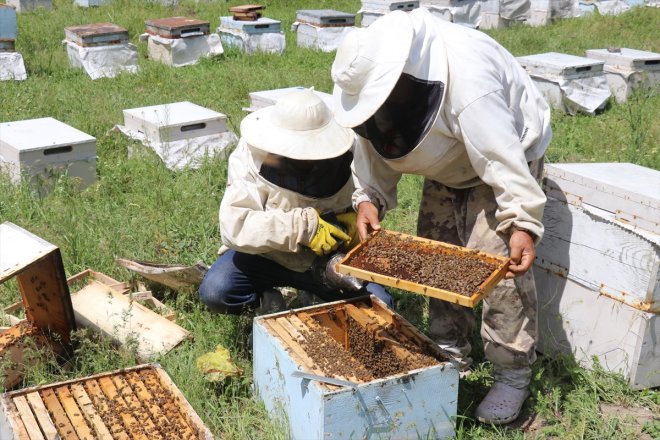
(348, 221)
(327, 238)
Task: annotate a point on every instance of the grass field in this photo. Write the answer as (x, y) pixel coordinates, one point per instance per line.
(141, 210)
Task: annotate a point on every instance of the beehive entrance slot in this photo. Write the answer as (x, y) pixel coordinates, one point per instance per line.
(583, 69)
(261, 26)
(58, 150)
(651, 62)
(337, 20)
(191, 127)
(185, 32)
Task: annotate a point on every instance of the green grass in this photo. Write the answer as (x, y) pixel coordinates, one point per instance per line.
(141, 210)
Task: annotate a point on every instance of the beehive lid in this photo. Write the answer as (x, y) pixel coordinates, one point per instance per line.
(174, 114)
(177, 27)
(325, 17)
(33, 134)
(560, 64)
(627, 59)
(628, 190)
(96, 33)
(19, 248)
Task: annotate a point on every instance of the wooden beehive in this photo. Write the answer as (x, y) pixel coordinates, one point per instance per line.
(409, 389)
(139, 402)
(37, 266)
(424, 247)
(96, 34)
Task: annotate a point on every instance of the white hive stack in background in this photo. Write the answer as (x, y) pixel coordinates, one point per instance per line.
(597, 268)
(11, 62)
(260, 35)
(464, 12)
(322, 29)
(264, 98)
(90, 3)
(102, 50)
(628, 69)
(180, 41)
(39, 150)
(563, 80)
(181, 133)
(30, 5)
(371, 10)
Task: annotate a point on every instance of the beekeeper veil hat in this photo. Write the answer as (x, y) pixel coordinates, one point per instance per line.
(370, 61)
(299, 126)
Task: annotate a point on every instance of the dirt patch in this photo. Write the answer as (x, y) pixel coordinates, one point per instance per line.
(631, 417)
(412, 260)
(368, 357)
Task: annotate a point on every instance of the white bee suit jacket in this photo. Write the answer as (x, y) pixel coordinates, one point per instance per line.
(259, 217)
(491, 123)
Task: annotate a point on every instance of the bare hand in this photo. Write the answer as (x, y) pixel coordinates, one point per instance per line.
(367, 217)
(522, 253)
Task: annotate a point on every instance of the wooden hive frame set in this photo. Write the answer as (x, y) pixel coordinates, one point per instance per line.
(139, 403)
(372, 315)
(485, 287)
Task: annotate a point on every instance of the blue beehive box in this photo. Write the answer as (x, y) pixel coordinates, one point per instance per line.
(295, 384)
(7, 22)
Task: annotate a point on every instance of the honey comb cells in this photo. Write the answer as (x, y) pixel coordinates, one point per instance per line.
(412, 260)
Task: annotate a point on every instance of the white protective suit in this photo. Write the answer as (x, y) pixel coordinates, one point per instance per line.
(491, 123)
(259, 217)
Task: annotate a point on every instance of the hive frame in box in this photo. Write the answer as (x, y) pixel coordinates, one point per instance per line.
(419, 403)
(445, 295)
(73, 409)
(38, 268)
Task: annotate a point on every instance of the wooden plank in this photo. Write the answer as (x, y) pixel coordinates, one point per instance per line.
(134, 404)
(42, 416)
(130, 422)
(88, 410)
(445, 295)
(27, 417)
(291, 345)
(62, 423)
(123, 320)
(202, 432)
(163, 393)
(46, 296)
(74, 412)
(11, 416)
(102, 405)
(147, 399)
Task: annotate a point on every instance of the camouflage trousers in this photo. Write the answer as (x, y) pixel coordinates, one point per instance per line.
(466, 217)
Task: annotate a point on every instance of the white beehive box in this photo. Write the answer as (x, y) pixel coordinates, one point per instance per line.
(261, 35)
(30, 5)
(372, 10)
(420, 403)
(265, 98)
(40, 149)
(601, 253)
(7, 23)
(90, 3)
(627, 69)
(568, 82)
(174, 122)
(322, 29)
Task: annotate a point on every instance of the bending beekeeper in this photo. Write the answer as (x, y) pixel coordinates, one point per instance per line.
(449, 103)
(291, 167)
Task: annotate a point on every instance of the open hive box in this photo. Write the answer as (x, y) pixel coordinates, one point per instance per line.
(432, 268)
(140, 402)
(37, 267)
(352, 369)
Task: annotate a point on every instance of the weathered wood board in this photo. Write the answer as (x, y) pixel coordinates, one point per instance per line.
(114, 315)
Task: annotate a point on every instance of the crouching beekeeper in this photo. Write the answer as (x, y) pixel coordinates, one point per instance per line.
(286, 209)
(449, 103)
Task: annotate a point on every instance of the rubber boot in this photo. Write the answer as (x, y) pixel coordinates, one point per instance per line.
(272, 301)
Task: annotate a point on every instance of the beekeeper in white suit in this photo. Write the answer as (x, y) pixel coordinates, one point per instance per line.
(285, 210)
(449, 103)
